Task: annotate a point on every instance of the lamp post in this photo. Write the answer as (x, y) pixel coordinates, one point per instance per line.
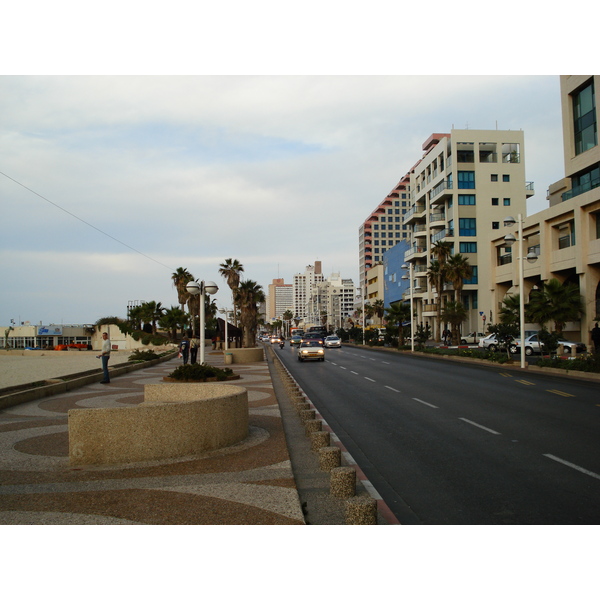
(410, 276)
(509, 240)
(225, 312)
(202, 288)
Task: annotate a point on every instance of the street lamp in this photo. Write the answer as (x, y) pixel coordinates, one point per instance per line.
(410, 277)
(509, 240)
(202, 288)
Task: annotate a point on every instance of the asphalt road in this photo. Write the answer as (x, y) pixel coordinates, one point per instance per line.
(448, 443)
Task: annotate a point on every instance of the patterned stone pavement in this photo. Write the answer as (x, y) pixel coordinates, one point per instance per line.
(249, 483)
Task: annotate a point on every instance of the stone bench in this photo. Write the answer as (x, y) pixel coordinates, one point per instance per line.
(246, 355)
(175, 420)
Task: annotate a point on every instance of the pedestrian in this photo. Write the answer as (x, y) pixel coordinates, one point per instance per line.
(184, 349)
(214, 342)
(194, 344)
(596, 338)
(105, 356)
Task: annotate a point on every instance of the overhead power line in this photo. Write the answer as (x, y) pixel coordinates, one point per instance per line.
(85, 222)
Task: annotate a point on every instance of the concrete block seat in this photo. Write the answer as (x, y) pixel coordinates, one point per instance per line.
(245, 355)
(174, 420)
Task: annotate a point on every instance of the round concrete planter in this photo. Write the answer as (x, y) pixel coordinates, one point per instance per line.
(207, 380)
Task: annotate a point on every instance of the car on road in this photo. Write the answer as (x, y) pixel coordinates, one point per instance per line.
(295, 340)
(313, 336)
(533, 345)
(471, 338)
(311, 350)
(332, 341)
(275, 339)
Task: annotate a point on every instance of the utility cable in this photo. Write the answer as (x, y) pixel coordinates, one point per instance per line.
(85, 222)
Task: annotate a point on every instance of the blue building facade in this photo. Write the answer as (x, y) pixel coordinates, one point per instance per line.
(394, 285)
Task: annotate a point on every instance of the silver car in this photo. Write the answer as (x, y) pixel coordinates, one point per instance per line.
(332, 341)
(532, 345)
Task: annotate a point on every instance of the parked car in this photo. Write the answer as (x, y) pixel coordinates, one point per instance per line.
(295, 340)
(471, 338)
(332, 341)
(570, 347)
(311, 350)
(490, 342)
(532, 345)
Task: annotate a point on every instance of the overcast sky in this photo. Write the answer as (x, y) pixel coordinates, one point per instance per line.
(109, 183)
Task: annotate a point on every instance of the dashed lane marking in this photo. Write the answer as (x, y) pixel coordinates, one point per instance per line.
(425, 403)
(524, 382)
(393, 389)
(565, 394)
(369, 379)
(506, 374)
(480, 426)
(573, 466)
(354, 372)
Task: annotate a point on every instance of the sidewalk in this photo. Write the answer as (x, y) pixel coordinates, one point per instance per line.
(250, 483)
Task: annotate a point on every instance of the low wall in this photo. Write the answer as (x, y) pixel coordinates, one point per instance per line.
(247, 355)
(175, 419)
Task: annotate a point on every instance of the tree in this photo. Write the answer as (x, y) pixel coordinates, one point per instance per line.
(151, 312)
(288, 315)
(174, 318)
(556, 302)
(135, 317)
(454, 313)
(231, 270)
(457, 270)
(397, 314)
(379, 309)
(441, 251)
(369, 312)
(248, 296)
(510, 311)
(181, 277)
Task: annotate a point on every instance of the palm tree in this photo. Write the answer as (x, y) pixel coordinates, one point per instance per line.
(458, 269)
(369, 312)
(181, 277)
(288, 315)
(396, 314)
(151, 312)
(248, 295)
(231, 270)
(441, 251)
(557, 302)
(379, 309)
(454, 313)
(136, 316)
(174, 318)
(510, 311)
(436, 275)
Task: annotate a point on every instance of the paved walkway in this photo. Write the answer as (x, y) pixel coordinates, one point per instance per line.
(250, 483)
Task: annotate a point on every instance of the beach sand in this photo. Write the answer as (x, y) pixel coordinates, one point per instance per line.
(17, 369)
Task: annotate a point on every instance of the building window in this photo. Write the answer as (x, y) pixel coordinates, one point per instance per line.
(506, 201)
(495, 224)
(474, 278)
(494, 177)
(584, 119)
(468, 247)
(467, 227)
(494, 201)
(466, 199)
(506, 178)
(466, 180)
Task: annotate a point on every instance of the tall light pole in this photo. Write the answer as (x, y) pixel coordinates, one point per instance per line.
(410, 276)
(224, 311)
(202, 288)
(509, 240)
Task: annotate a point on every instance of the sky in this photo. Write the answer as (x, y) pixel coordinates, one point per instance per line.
(116, 171)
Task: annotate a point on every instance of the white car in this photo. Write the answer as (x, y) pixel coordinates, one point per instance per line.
(471, 338)
(332, 341)
(311, 350)
(532, 345)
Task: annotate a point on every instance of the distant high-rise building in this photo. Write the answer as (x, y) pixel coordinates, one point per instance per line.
(280, 297)
(303, 286)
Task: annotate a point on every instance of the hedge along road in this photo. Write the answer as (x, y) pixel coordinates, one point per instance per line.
(449, 443)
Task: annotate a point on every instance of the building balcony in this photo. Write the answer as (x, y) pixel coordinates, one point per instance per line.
(413, 214)
(529, 189)
(441, 192)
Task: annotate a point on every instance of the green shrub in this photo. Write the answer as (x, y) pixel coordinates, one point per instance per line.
(142, 355)
(197, 372)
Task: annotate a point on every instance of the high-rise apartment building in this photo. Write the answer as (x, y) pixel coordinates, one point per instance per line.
(463, 187)
(333, 300)
(383, 229)
(565, 236)
(303, 287)
(280, 297)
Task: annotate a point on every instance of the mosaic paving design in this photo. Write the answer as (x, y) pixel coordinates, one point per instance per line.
(249, 483)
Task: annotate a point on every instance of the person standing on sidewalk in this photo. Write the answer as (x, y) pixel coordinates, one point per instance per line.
(105, 356)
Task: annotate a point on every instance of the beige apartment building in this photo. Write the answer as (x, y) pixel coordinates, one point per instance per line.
(280, 298)
(461, 190)
(565, 236)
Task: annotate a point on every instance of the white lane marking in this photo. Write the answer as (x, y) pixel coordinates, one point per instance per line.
(480, 426)
(391, 388)
(425, 403)
(354, 372)
(568, 464)
(369, 379)
(332, 363)
(343, 368)
(386, 363)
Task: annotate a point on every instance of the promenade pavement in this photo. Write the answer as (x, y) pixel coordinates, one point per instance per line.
(271, 478)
